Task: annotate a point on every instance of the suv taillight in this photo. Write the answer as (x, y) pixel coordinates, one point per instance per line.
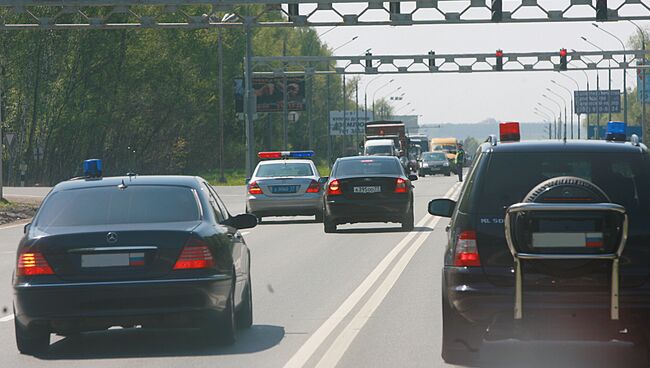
(195, 255)
(314, 187)
(334, 188)
(401, 186)
(254, 188)
(32, 263)
(467, 250)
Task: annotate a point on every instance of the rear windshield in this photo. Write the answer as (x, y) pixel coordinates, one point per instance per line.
(284, 169)
(434, 156)
(451, 148)
(367, 167)
(137, 204)
(624, 177)
(379, 150)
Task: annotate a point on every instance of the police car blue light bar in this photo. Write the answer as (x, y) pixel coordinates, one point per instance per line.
(285, 154)
(616, 131)
(93, 168)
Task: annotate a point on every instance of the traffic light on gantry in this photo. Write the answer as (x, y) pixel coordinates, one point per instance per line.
(499, 60)
(432, 60)
(601, 10)
(563, 59)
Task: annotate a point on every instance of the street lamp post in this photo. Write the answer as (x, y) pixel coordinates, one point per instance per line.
(624, 70)
(643, 79)
(546, 120)
(571, 100)
(559, 109)
(565, 118)
(365, 97)
(609, 92)
(598, 102)
(375, 94)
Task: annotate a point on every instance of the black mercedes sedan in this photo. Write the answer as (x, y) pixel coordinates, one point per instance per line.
(368, 189)
(148, 251)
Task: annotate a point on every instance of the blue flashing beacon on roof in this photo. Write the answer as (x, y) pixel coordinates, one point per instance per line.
(616, 131)
(93, 168)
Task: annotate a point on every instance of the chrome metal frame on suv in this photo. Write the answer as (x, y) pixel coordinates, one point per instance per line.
(543, 207)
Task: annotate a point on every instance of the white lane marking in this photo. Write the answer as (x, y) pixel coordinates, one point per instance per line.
(7, 318)
(12, 226)
(343, 341)
(320, 335)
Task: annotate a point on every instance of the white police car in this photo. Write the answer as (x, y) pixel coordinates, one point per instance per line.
(285, 183)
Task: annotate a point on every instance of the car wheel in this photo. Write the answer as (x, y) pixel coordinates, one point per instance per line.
(245, 312)
(31, 341)
(319, 216)
(222, 327)
(460, 339)
(328, 225)
(409, 220)
(422, 174)
(447, 173)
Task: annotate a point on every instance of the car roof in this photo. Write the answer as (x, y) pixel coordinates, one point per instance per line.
(356, 158)
(586, 146)
(293, 160)
(177, 180)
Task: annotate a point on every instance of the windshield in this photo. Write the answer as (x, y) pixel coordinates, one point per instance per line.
(379, 150)
(137, 204)
(434, 156)
(282, 169)
(623, 177)
(445, 147)
(367, 167)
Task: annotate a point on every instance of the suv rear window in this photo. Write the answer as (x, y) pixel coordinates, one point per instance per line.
(379, 150)
(137, 204)
(284, 169)
(437, 156)
(510, 176)
(367, 167)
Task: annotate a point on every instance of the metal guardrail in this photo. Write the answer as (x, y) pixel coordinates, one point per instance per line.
(543, 207)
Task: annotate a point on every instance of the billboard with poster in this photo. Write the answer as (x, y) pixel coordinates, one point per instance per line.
(269, 94)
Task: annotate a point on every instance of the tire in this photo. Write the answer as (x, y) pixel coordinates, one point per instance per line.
(244, 315)
(222, 327)
(328, 225)
(319, 216)
(460, 339)
(31, 341)
(409, 220)
(447, 173)
(421, 174)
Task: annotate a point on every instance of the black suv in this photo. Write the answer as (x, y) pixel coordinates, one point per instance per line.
(481, 267)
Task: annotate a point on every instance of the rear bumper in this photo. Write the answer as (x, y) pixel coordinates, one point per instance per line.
(342, 210)
(306, 204)
(91, 306)
(435, 170)
(478, 300)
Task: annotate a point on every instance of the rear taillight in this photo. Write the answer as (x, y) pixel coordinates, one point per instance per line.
(467, 250)
(196, 254)
(314, 187)
(254, 188)
(401, 186)
(33, 263)
(334, 188)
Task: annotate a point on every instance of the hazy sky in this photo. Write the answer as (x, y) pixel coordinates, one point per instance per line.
(475, 97)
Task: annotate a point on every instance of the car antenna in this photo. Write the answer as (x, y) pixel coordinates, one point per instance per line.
(123, 185)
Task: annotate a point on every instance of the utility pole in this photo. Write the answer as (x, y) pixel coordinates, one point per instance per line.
(249, 97)
(222, 177)
(345, 113)
(356, 125)
(285, 99)
(329, 125)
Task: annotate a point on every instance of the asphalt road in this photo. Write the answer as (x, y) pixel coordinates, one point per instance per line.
(368, 296)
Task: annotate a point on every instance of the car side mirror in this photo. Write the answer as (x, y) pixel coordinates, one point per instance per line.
(26, 228)
(243, 221)
(442, 207)
(248, 180)
(323, 179)
(413, 177)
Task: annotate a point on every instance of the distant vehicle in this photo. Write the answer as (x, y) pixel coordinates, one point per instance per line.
(395, 130)
(434, 163)
(447, 145)
(420, 140)
(285, 184)
(380, 147)
(368, 189)
(154, 251)
(546, 237)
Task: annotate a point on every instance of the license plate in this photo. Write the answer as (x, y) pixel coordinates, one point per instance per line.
(568, 240)
(284, 188)
(112, 260)
(366, 190)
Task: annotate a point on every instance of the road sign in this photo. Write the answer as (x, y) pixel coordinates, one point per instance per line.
(269, 94)
(352, 125)
(592, 102)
